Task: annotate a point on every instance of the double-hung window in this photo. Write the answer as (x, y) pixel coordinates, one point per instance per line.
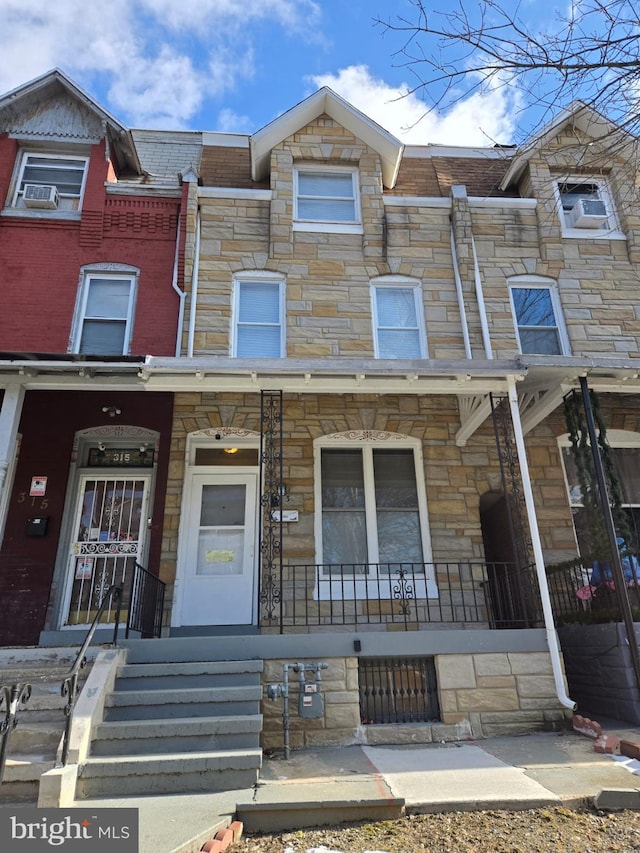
(104, 316)
(398, 321)
(258, 330)
(538, 319)
(50, 181)
(372, 508)
(326, 197)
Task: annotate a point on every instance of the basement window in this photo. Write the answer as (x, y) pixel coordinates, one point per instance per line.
(398, 690)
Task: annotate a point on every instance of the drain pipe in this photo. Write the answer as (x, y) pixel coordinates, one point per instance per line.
(486, 337)
(459, 291)
(194, 287)
(552, 637)
(181, 293)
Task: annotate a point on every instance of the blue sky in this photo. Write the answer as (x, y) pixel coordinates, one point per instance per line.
(234, 65)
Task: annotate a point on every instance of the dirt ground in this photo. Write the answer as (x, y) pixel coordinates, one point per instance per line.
(548, 830)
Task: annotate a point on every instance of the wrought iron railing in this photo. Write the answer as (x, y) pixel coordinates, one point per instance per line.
(70, 681)
(146, 603)
(414, 595)
(14, 697)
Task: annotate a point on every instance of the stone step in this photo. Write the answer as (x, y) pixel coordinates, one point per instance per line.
(36, 737)
(22, 777)
(186, 734)
(197, 702)
(222, 770)
(171, 676)
(192, 667)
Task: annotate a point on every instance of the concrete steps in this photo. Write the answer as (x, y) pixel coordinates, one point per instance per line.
(34, 743)
(177, 727)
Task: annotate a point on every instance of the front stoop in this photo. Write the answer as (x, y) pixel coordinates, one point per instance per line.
(180, 727)
(34, 743)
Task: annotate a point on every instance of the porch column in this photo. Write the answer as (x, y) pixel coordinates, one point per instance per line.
(552, 639)
(9, 420)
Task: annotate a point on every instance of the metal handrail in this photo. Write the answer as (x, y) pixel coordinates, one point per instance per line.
(70, 682)
(16, 696)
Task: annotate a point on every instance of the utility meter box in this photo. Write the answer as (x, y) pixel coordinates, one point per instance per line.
(310, 701)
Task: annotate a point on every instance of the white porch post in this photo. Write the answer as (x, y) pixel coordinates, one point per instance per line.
(552, 639)
(9, 420)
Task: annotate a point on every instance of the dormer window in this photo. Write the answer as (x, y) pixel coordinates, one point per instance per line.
(50, 182)
(326, 198)
(586, 207)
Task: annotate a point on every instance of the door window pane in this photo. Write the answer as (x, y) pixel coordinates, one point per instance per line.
(223, 505)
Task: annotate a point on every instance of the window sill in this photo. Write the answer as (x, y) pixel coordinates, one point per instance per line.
(22, 213)
(592, 233)
(329, 227)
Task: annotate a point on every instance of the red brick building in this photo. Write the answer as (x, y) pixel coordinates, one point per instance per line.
(90, 275)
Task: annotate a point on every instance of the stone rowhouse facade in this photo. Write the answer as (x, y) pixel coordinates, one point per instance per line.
(464, 225)
(459, 224)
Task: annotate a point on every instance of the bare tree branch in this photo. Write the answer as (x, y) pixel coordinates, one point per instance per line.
(591, 53)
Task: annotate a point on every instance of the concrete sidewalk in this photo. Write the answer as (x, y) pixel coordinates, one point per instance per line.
(331, 785)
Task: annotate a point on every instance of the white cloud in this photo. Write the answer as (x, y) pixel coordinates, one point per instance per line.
(479, 119)
(231, 122)
(158, 59)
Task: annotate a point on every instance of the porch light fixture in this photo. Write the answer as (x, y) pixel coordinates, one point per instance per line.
(231, 450)
(112, 411)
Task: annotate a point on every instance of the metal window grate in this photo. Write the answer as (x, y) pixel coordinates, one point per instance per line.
(398, 690)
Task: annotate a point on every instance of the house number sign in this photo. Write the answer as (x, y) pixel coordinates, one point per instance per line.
(120, 457)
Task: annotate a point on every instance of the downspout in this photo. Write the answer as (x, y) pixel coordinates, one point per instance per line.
(552, 638)
(486, 338)
(194, 287)
(181, 293)
(459, 291)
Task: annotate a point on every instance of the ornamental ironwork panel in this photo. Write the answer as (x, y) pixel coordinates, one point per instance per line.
(270, 534)
(516, 585)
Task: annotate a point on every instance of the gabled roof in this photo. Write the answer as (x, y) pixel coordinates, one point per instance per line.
(53, 83)
(578, 114)
(325, 101)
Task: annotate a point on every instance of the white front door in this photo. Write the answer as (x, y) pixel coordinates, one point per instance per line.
(218, 572)
(107, 541)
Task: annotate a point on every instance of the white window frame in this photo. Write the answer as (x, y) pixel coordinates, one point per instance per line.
(252, 277)
(390, 282)
(534, 282)
(366, 586)
(611, 232)
(328, 225)
(68, 204)
(115, 272)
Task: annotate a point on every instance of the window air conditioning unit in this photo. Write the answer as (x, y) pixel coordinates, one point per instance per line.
(588, 213)
(43, 196)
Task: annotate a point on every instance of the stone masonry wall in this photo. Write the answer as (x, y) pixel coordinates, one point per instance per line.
(481, 695)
